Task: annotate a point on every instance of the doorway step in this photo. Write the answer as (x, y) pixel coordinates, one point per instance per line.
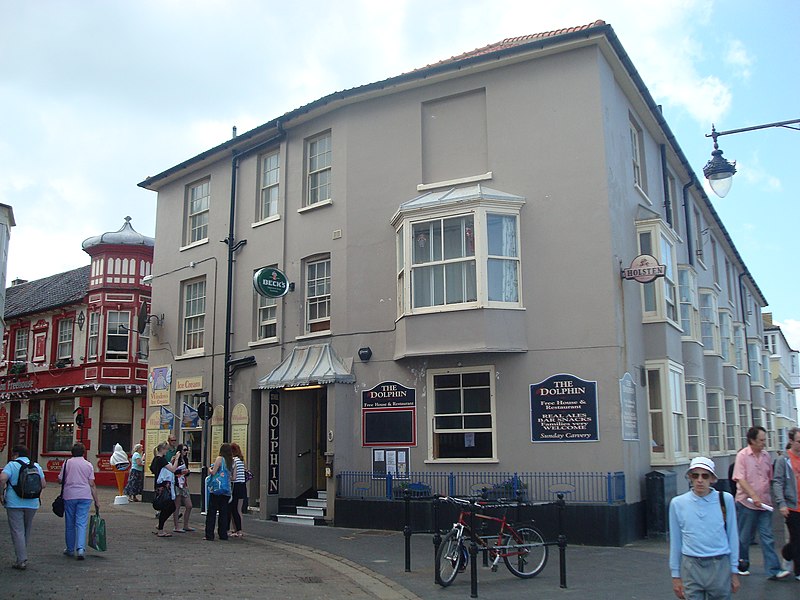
(311, 514)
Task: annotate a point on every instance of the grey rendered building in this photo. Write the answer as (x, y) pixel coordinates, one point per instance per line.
(453, 240)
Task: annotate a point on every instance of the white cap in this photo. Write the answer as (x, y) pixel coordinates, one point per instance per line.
(701, 462)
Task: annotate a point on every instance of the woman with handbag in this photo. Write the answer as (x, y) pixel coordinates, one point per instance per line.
(239, 490)
(182, 496)
(219, 487)
(164, 497)
(78, 492)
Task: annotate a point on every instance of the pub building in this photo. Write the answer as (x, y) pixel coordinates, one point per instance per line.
(434, 287)
(74, 361)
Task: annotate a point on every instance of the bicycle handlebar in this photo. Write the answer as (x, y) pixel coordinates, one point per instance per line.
(478, 502)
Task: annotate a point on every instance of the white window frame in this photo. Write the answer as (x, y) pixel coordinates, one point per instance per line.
(731, 423)
(266, 317)
(665, 382)
(21, 344)
(319, 169)
(193, 295)
(709, 322)
(715, 409)
(689, 306)
(697, 430)
(754, 363)
(745, 421)
(93, 336)
(65, 338)
(198, 205)
(118, 324)
(484, 217)
(269, 185)
(318, 295)
(434, 431)
(659, 297)
(727, 346)
(638, 156)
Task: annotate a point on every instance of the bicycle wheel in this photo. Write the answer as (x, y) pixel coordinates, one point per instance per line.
(449, 558)
(527, 561)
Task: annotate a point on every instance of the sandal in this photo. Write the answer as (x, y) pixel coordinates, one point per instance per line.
(179, 530)
(189, 529)
(164, 534)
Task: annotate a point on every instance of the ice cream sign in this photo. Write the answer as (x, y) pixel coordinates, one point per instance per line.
(644, 269)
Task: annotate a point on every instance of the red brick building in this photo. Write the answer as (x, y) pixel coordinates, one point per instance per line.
(74, 362)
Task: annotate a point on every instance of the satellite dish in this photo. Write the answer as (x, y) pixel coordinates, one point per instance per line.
(141, 321)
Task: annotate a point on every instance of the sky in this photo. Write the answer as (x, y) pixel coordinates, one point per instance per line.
(97, 95)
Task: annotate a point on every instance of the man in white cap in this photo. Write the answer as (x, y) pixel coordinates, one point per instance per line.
(704, 539)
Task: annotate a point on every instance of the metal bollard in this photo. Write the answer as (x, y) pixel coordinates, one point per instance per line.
(562, 543)
(437, 541)
(473, 570)
(407, 528)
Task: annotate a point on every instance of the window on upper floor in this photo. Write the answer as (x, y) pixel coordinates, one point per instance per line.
(21, 344)
(118, 323)
(765, 375)
(667, 411)
(266, 317)
(318, 295)
(93, 336)
(462, 405)
(731, 424)
(637, 155)
(754, 362)
(698, 235)
(716, 421)
(673, 214)
(198, 203)
(739, 345)
(659, 297)
(270, 185)
(715, 261)
(194, 314)
(318, 169)
(690, 307)
(709, 323)
(727, 348)
(745, 422)
(65, 334)
(467, 260)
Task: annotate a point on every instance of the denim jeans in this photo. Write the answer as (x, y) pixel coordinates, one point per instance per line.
(76, 516)
(748, 520)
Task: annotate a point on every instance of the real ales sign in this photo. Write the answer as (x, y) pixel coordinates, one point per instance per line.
(564, 409)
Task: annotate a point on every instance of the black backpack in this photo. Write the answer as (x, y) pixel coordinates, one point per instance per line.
(29, 482)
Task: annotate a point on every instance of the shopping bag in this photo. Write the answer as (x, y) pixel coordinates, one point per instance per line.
(97, 532)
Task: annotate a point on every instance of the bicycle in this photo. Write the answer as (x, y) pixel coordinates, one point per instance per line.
(523, 549)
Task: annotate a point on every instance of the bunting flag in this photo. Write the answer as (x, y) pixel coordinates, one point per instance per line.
(167, 419)
(190, 417)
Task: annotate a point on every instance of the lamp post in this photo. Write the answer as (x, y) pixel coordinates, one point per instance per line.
(718, 170)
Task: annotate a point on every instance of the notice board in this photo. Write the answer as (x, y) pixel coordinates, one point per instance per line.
(389, 415)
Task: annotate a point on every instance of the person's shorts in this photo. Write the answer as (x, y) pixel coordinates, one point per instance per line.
(182, 493)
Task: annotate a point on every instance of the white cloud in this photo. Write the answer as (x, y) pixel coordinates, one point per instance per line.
(737, 57)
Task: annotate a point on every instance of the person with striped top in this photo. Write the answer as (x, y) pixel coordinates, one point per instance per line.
(239, 490)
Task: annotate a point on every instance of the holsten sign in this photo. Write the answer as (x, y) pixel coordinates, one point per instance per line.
(644, 269)
(270, 282)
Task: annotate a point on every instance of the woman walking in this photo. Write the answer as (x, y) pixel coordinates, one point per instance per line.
(218, 499)
(136, 477)
(164, 472)
(239, 490)
(182, 496)
(78, 491)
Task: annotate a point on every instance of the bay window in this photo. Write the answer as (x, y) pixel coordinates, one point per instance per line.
(117, 332)
(667, 409)
(659, 297)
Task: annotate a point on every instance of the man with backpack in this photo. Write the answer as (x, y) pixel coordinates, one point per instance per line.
(21, 484)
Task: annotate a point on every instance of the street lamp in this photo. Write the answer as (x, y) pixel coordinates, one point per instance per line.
(720, 171)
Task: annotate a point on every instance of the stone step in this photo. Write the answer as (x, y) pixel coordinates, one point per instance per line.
(296, 519)
(310, 511)
(322, 494)
(317, 503)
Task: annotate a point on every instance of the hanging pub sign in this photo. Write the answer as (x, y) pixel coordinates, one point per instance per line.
(270, 282)
(564, 409)
(644, 269)
(389, 415)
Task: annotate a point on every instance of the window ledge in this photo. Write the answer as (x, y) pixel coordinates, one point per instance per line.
(328, 202)
(461, 461)
(193, 354)
(421, 187)
(193, 245)
(265, 342)
(642, 193)
(271, 219)
(316, 334)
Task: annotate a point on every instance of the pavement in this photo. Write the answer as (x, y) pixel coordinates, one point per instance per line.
(290, 562)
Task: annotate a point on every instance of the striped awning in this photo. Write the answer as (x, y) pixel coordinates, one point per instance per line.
(309, 365)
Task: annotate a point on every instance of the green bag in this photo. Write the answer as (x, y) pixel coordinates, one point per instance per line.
(97, 532)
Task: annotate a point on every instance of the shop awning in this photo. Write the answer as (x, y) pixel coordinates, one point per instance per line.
(308, 365)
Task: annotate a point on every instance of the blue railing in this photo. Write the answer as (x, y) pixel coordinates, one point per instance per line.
(586, 488)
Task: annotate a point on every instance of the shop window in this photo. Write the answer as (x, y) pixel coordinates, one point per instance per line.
(60, 433)
(462, 405)
(192, 430)
(116, 424)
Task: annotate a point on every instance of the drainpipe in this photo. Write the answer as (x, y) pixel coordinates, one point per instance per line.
(689, 230)
(233, 247)
(665, 182)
